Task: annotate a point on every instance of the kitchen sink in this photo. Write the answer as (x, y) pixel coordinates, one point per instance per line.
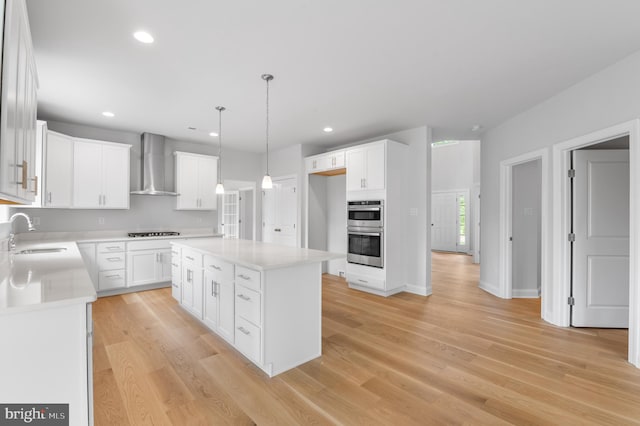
(42, 250)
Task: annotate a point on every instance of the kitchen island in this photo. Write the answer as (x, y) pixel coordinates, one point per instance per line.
(264, 299)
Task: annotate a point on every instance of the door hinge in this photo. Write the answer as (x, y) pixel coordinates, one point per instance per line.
(571, 237)
(571, 301)
(571, 173)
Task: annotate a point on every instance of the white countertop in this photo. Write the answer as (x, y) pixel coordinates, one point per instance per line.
(41, 281)
(107, 236)
(256, 254)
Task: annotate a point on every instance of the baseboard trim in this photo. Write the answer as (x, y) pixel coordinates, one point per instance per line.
(526, 293)
(415, 289)
(490, 288)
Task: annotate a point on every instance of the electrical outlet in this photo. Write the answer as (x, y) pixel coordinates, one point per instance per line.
(36, 221)
(101, 221)
(341, 273)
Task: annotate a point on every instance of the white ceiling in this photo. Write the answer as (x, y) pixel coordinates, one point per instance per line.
(364, 67)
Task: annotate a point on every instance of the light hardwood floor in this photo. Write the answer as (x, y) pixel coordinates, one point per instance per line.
(459, 356)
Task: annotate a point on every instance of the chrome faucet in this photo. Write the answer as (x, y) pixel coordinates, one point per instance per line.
(12, 236)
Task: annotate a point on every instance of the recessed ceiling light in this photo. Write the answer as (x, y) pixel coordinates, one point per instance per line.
(143, 37)
(328, 129)
(213, 134)
(108, 114)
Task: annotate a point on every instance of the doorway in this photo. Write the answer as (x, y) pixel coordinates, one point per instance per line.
(525, 235)
(280, 212)
(449, 221)
(600, 235)
(237, 215)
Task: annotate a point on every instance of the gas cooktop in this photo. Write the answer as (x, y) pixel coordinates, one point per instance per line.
(153, 234)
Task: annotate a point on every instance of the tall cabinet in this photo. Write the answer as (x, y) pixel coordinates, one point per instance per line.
(18, 177)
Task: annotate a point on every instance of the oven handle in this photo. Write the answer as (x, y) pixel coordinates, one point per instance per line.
(377, 234)
(367, 209)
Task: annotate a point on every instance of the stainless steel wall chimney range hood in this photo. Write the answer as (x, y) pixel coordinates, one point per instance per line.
(152, 167)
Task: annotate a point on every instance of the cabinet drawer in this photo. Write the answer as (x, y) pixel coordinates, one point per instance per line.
(111, 247)
(365, 281)
(192, 257)
(222, 270)
(111, 279)
(248, 304)
(248, 278)
(247, 337)
(110, 261)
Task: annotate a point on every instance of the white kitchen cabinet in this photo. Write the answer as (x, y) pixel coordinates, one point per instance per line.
(100, 175)
(148, 262)
(196, 177)
(330, 163)
(366, 167)
(176, 273)
(110, 264)
(192, 281)
(18, 108)
(219, 297)
(58, 170)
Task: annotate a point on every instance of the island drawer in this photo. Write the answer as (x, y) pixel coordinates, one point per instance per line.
(365, 281)
(110, 261)
(222, 270)
(247, 338)
(108, 280)
(248, 277)
(248, 304)
(192, 256)
(110, 247)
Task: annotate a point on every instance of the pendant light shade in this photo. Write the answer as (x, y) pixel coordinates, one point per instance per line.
(220, 186)
(266, 180)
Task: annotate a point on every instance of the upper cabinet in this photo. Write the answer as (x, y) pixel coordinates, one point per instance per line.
(100, 175)
(57, 170)
(366, 167)
(331, 163)
(18, 177)
(196, 177)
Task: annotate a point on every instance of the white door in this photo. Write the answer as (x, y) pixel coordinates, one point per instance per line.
(142, 267)
(226, 310)
(245, 211)
(280, 212)
(210, 314)
(375, 177)
(231, 214)
(207, 177)
(187, 182)
(87, 174)
(443, 221)
(356, 168)
(601, 249)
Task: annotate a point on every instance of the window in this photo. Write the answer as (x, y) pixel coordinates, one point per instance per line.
(443, 143)
(462, 221)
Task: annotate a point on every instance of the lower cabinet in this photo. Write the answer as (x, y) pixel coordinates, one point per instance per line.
(148, 262)
(192, 280)
(218, 303)
(111, 261)
(176, 274)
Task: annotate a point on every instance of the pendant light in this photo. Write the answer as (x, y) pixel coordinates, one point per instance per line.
(266, 180)
(219, 186)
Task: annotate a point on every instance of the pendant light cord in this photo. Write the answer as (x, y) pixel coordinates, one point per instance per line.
(267, 127)
(220, 144)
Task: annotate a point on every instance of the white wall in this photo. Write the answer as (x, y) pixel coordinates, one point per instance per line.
(237, 165)
(609, 97)
(336, 199)
(455, 166)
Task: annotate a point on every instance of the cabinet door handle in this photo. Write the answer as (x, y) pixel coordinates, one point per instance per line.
(104, 200)
(49, 197)
(244, 330)
(217, 268)
(243, 297)
(24, 175)
(174, 264)
(35, 185)
(174, 285)
(190, 258)
(244, 277)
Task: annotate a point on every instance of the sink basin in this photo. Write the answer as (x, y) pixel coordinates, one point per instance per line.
(42, 250)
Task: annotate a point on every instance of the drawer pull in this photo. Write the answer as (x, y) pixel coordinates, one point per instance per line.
(174, 264)
(244, 331)
(114, 259)
(113, 247)
(112, 276)
(243, 297)
(363, 281)
(190, 258)
(175, 285)
(244, 277)
(217, 268)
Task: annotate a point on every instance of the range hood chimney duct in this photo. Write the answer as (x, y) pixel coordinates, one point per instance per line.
(152, 166)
